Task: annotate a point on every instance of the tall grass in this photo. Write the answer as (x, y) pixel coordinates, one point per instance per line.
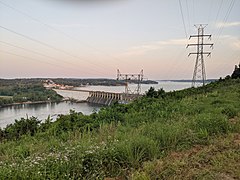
(121, 138)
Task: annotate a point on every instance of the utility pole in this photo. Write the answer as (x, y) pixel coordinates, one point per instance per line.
(131, 77)
(199, 74)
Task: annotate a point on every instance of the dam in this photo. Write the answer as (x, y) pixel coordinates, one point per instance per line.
(108, 98)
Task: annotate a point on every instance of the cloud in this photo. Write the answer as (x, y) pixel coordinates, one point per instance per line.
(152, 46)
(232, 41)
(228, 24)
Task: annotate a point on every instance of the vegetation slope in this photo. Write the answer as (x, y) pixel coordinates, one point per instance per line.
(188, 134)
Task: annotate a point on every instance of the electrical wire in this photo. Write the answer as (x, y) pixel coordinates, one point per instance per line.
(194, 20)
(210, 12)
(184, 25)
(218, 12)
(56, 30)
(188, 16)
(36, 60)
(47, 45)
(225, 20)
(44, 55)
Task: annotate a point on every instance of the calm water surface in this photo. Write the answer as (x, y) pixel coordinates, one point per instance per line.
(166, 85)
(42, 111)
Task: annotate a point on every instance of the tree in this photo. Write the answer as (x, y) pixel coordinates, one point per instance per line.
(236, 72)
(155, 94)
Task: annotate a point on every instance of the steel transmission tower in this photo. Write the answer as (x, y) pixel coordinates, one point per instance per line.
(199, 74)
(131, 77)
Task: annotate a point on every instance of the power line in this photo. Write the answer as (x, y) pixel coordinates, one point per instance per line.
(210, 12)
(188, 16)
(184, 25)
(32, 39)
(54, 29)
(35, 52)
(25, 57)
(32, 59)
(41, 54)
(219, 9)
(44, 44)
(193, 11)
(225, 20)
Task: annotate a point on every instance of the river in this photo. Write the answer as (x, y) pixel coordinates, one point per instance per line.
(42, 111)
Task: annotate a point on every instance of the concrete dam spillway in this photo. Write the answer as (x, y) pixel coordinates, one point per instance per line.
(103, 97)
(108, 98)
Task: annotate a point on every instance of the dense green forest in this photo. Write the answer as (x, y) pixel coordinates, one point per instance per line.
(188, 134)
(22, 90)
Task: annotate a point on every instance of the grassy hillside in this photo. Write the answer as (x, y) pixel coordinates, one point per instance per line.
(188, 134)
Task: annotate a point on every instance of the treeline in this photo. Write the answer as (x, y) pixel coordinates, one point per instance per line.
(83, 82)
(96, 82)
(23, 90)
(236, 72)
(71, 81)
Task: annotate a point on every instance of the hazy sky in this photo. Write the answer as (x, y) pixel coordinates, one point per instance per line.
(94, 38)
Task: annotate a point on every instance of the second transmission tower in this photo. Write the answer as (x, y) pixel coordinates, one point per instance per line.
(137, 78)
(199, 74)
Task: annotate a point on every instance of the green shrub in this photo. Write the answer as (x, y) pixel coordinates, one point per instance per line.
(21, 127)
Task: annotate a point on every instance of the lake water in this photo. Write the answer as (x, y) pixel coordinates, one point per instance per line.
(42, 111)
(166, 85)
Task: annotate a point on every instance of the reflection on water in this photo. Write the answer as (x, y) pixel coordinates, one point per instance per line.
(42, 111)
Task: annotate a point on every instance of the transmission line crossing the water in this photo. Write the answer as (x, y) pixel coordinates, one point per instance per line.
(60, 32)
(75, 68)
(49, 46)
(181, 10)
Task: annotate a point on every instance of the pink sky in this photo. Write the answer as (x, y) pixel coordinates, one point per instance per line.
(94, 40)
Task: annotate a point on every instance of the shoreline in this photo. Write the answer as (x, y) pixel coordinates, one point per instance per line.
(43, 102)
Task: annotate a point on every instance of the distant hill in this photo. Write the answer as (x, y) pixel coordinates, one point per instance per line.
(72, 81)
(188, 80)
(96, 82)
